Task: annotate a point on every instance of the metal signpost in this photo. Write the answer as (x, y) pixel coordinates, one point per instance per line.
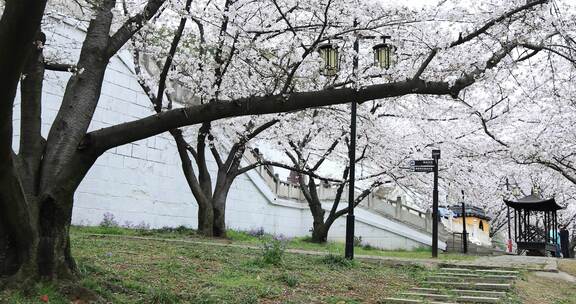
(431, 165)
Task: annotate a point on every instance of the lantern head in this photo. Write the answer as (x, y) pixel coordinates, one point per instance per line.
(516, 191)
(383, 54)
(329, 54)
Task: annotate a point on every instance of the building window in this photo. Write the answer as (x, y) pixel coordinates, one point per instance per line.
(481, 225)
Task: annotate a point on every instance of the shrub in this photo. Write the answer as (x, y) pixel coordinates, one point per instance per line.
(241, 236)
(337, 260)
(273, 249)
(290, 279)
(368, 247)
(257, 232)
(108, 220)
(357, 241)
(161, 296)
(142, 226)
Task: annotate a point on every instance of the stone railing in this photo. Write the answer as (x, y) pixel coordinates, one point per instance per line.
(375, 202)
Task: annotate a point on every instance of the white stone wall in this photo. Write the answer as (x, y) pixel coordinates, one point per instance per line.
(142, 182)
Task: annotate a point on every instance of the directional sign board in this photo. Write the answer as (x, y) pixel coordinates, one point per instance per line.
(425, 165)
(424, 162)
(423, 169)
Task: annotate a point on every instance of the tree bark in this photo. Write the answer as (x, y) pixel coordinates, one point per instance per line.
(34, 241)
(219, 206)
(55, 260)
(80, 98)
(320, 233)
(31, 141)
(205, 218)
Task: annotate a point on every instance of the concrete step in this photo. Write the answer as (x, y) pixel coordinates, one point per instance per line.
(470, 299)
(400, 301)
(483, 271)
(498, 271)
(471, 285)
(472, 267)
(447, 297)
(429, 296)
(478, 275)
(462, 292)
(475, 279)
(443, 297)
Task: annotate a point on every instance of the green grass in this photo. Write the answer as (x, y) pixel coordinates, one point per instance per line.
(124, 270)
(535, 289)
(242, 237)
(33, 294)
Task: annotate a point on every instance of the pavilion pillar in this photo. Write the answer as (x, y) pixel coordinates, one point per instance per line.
(528, 226)
(546, 234)
(516, 225)
(555, 228)
(520, 217)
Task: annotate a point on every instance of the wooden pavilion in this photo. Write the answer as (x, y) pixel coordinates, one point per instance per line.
(535, 225)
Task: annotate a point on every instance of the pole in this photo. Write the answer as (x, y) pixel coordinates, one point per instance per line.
(464, 232)
(509, 231)
(349, 249)
(435, 156)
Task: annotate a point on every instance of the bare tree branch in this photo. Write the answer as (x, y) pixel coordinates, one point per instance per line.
(425, 64)
(60, 67)
(489, 24)
(132, 25)
(169, 58)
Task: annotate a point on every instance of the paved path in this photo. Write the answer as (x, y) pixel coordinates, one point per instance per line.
(528, 263)
(563, 276)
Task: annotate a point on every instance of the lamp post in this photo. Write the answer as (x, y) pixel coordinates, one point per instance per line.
(464, 232)
(350, 219)
(435, 217)
(382, 58)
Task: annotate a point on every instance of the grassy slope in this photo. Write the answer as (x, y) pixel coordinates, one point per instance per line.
(146, 271)
(151, 271)
(568, 266)
(533, 289)
(239, 237)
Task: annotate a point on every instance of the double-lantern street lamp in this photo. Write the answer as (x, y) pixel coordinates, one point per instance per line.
(331, 56)
(382, 59)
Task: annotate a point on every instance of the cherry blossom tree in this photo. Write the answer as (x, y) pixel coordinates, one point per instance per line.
(276, 71)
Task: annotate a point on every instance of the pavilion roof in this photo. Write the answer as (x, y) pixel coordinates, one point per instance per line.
(533, 202)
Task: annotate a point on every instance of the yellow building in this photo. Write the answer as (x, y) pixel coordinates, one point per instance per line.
(477, 224)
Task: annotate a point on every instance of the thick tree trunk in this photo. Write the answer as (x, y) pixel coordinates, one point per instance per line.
(68, 131)
(44, 253)
(320, 233)
(219, 207)
(319, 226)
(205, 218)
(54, 257)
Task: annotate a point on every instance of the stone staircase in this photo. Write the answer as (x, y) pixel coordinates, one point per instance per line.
(461, 284)
(454, 244)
